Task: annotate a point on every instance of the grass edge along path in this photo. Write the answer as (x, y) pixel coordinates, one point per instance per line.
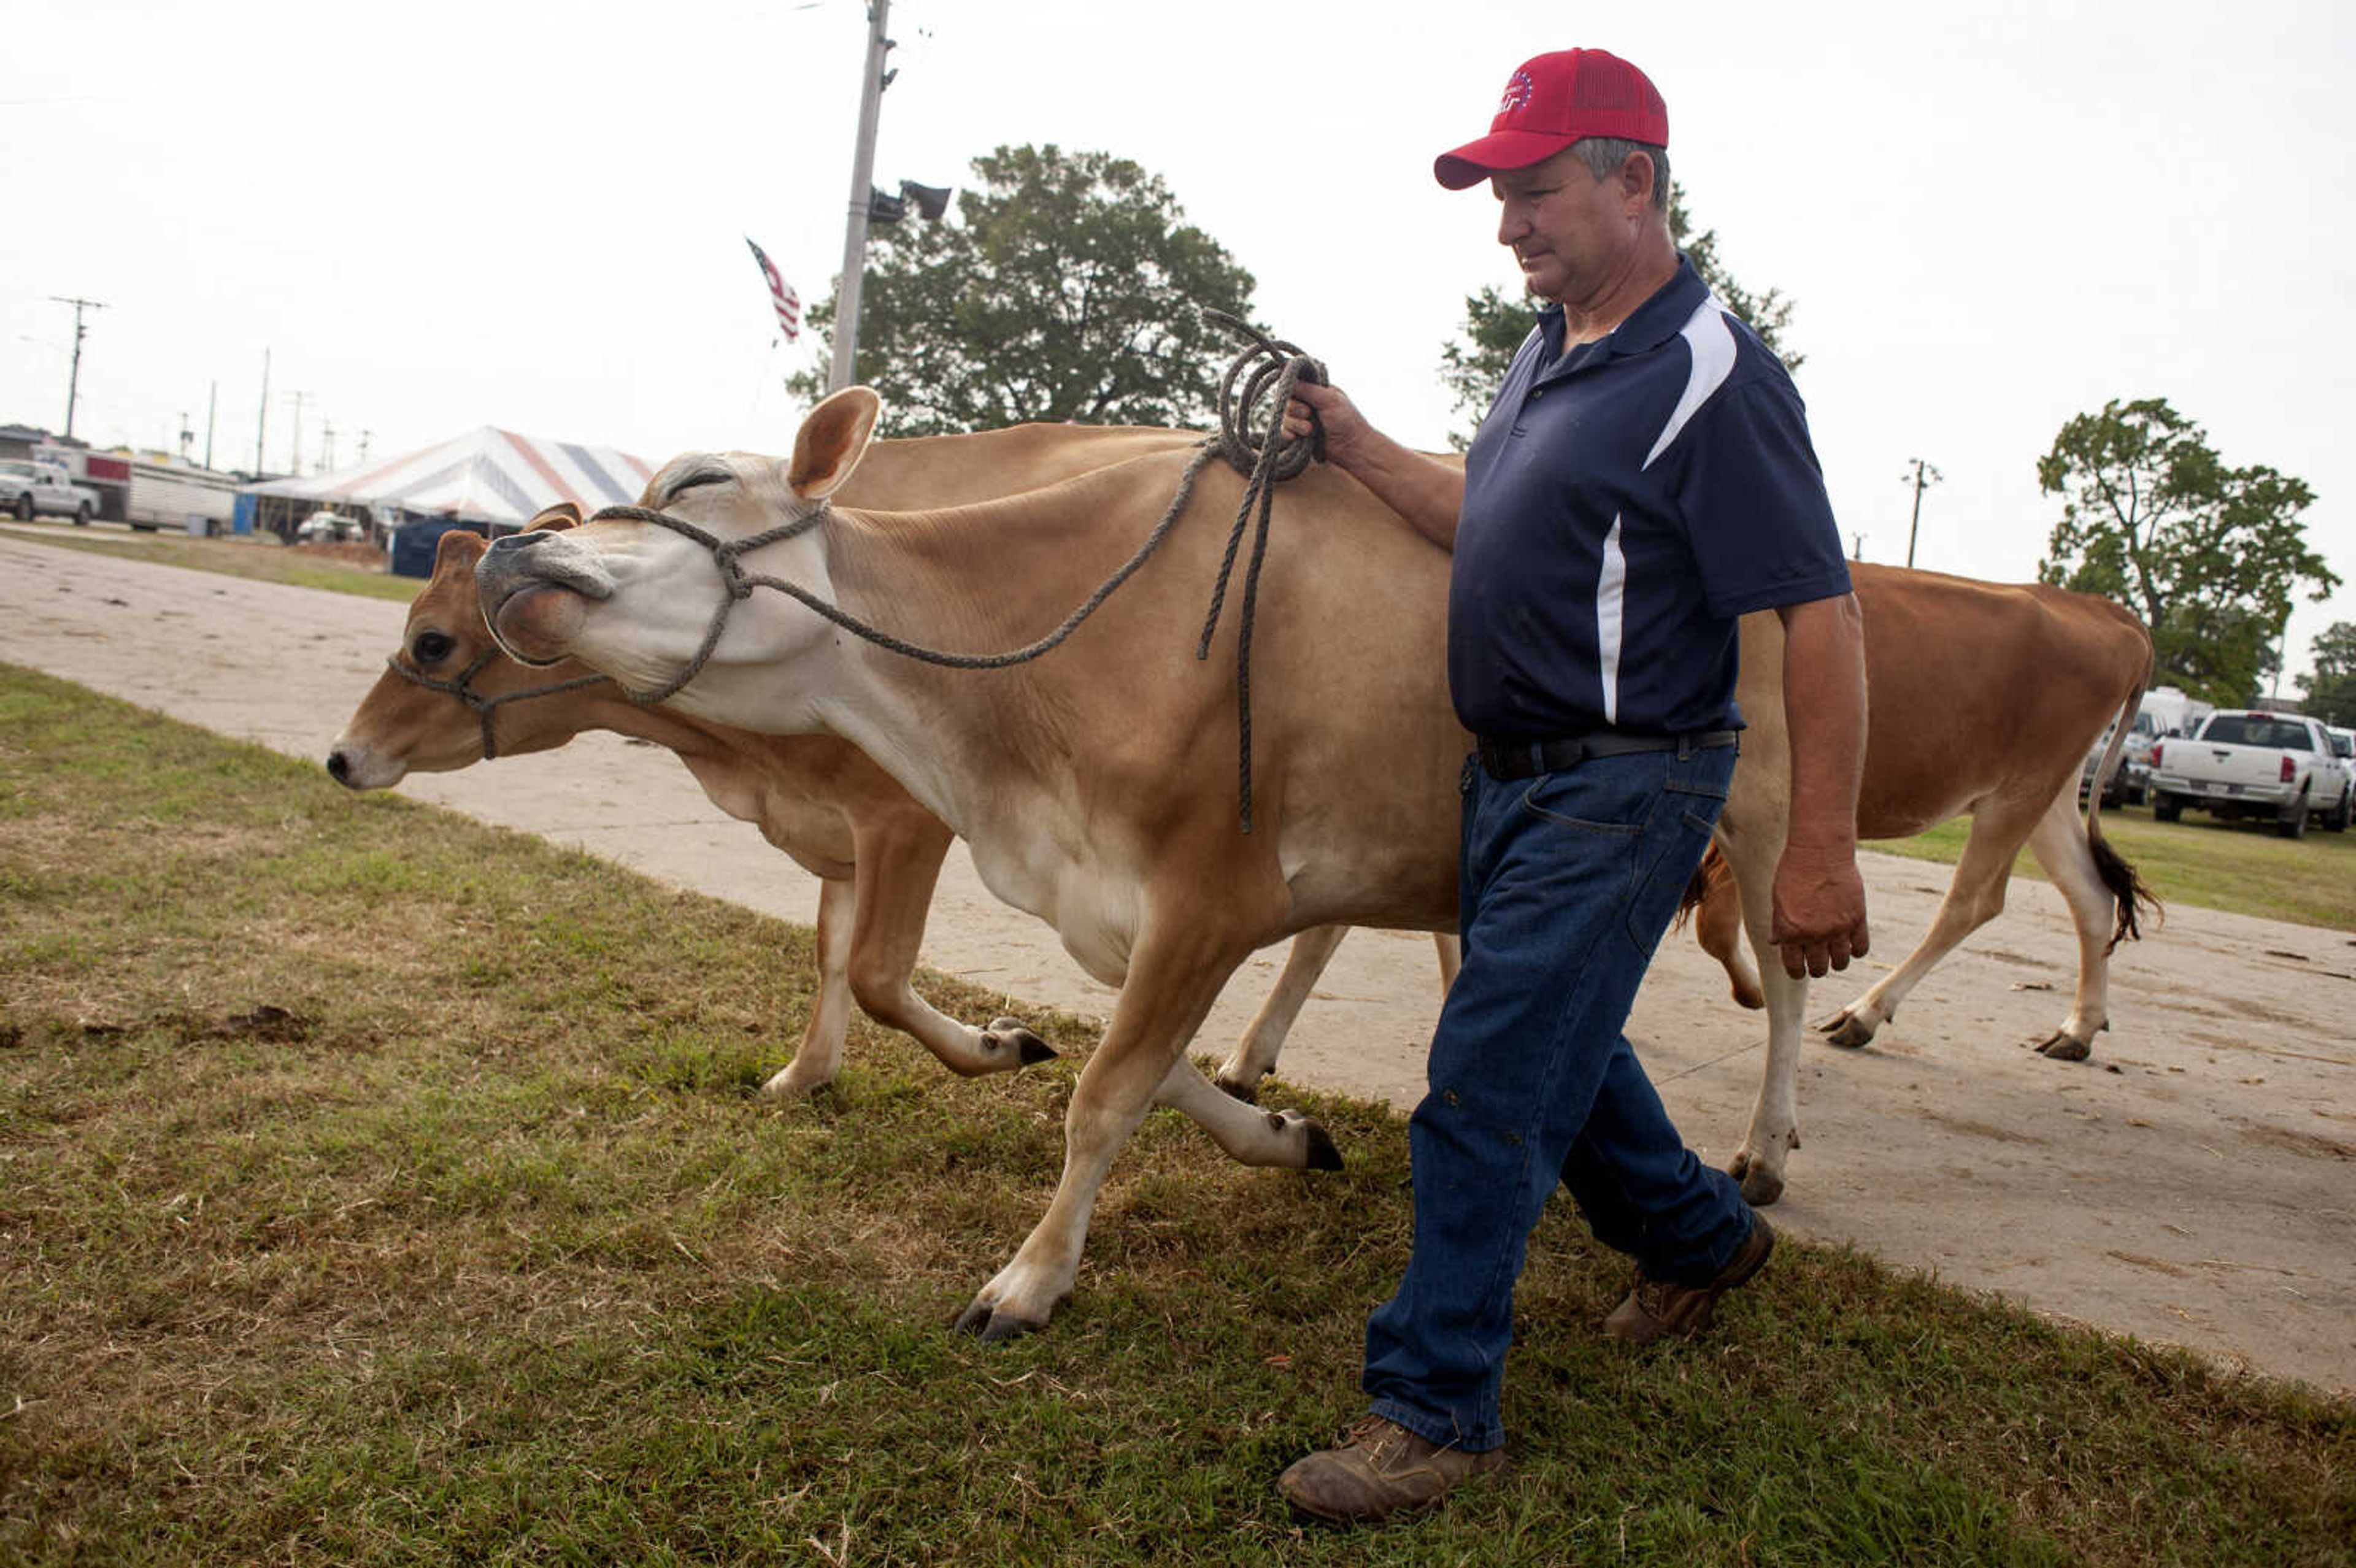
(380, 1187)
(244, 556)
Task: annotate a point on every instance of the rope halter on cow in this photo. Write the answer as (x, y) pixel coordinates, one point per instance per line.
(1267, 460)
(483, 706)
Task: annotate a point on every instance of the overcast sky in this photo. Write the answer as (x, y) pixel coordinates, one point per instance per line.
(1992, 215)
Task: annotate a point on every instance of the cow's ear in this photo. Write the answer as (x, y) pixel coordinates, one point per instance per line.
(564, 514)
(457, 550)
(831, 442)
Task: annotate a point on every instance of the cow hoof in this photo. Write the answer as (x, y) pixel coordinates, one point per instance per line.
(1323, 1154)
(787, 1085)
(1846, 1029)
(1029, 1049)
(2063, 1047)
(1245, 1090)
(1760, 1187)
(991, 1325)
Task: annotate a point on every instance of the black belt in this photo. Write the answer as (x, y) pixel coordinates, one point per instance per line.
(1505, 760)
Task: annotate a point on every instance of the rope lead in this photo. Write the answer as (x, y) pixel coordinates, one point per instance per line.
(1266, 460)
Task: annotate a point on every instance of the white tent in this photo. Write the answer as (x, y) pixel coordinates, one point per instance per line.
(487, 475)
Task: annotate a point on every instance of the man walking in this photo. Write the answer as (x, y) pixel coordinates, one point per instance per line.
(1645, 478)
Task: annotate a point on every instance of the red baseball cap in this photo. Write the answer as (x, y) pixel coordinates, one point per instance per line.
(1552, 101)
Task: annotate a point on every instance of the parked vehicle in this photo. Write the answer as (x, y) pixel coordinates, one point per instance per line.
(27, 488)
(2132, 780)
(2343, 752)
(2164, 711)
(2247, 761)
(327, 526)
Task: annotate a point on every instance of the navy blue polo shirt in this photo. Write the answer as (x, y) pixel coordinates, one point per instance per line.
(1623, 506)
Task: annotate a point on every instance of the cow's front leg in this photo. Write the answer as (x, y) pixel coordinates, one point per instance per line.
(821, 1057)
(1774, 1129)
(1172, 981)
(899, 863)
(1254, 1057)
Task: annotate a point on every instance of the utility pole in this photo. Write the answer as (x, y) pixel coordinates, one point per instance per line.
(262, 421)
(1856, 547)
(212, 411)
(366, 436)
(327, 443)
(187, 437)
(862, 176)
(294, 465)
(1923, 479)
(73, 377)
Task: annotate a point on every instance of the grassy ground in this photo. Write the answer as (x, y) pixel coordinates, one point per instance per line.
(263, 557)
(383, 1188)
(2241, 867)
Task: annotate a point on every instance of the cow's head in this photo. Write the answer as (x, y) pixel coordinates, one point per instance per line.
(639, 600)
(407, 724)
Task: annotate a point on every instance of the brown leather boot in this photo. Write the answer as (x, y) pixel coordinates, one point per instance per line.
(1657, 1309)
(1381, 1469)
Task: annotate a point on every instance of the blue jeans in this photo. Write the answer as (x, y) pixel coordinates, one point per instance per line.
(1569, 881)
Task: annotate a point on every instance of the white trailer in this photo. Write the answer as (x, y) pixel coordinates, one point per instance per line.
(167, 495)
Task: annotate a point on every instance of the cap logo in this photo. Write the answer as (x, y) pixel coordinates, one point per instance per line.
(1517, 94)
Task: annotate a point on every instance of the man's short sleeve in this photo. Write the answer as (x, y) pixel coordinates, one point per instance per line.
(1754, 500)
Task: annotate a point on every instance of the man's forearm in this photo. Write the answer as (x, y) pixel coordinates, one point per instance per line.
(1824, 710)
(1425, 491)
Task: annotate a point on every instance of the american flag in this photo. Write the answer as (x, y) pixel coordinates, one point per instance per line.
(781, 295)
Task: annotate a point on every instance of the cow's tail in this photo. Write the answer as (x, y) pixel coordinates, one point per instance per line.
(2129, 891)
(1713, 872)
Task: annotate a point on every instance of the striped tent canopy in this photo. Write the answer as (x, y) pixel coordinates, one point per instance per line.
(487, 475)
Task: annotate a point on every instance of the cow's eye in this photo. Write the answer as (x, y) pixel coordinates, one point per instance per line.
(431, 648)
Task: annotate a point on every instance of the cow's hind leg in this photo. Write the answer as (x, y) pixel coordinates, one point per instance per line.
(1249, 1136)
(898, 865)
(2061, 848)
(1975, 897)
(1174, 975)
(821, 1056)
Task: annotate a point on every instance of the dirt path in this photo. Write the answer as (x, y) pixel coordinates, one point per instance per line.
(2194, 1183)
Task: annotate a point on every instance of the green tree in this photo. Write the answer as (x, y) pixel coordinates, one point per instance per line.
(2209, 556)
(1067, 286)
(2330, 686)
(1472, 365)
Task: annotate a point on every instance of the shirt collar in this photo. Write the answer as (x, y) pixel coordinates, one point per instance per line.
(1659, 318)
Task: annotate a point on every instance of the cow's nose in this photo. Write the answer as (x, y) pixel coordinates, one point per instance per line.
(516, 544)
(339, 766)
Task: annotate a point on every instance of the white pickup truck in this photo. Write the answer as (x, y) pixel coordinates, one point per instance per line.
(2245, 761)
(29, 487)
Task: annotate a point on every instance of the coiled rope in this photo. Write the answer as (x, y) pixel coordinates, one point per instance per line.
(1262, 375)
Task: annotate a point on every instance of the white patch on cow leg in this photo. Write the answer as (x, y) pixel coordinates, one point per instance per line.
(1975, 897)
(1254, 1057)
(1774, 1122)
(2058, 844)
(821, 1056)
(1283, 1138)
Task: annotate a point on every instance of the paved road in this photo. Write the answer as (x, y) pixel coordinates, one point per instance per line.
(2195, 1183)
